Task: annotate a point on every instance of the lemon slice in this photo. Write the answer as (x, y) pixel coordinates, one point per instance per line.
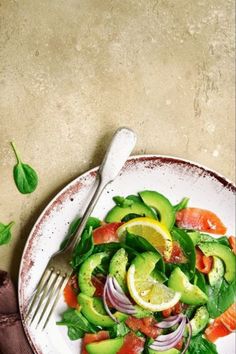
(152, 230)
(149, 293)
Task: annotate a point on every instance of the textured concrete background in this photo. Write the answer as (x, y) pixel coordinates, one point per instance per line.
(72, 71)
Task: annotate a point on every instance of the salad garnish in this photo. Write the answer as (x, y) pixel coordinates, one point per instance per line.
(153, 277)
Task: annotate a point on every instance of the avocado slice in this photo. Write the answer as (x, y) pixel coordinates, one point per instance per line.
(200, 320)
(117, 267)
(108, 346)
(92, 308)
(86, 270)
(170, 351)
(145, 263)
(117, 213)
(162, 205)
(224, 253)
(190, 294)
(216, 273)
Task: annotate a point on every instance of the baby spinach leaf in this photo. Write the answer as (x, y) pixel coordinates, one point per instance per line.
(84, 249)
(200, 281)
(198, 237)
(5, 233)
(25, 177)
(77, 324)
(199, 344)
(221, 297)
(92, 221)
(140, 244)
(131, 216)
(110, 247)
(122, 202)
(118, 330)
(187, 245)
(181, 205)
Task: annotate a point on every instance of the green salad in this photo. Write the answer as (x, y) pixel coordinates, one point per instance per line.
(151, 278)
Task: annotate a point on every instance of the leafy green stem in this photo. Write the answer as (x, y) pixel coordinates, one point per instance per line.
(15, 152)
(11, 224)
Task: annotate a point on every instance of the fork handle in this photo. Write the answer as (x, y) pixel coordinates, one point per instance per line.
(116, 155)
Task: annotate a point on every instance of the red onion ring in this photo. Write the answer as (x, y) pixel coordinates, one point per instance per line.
(105, 304)
(169, 322)
(118, 300)
(117, 285)
(189, 336)
(168, 341)
(122, 298)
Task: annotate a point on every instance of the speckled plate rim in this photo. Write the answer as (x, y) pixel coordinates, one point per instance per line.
(74, 186)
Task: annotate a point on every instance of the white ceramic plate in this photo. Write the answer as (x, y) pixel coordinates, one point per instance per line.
(172, 177)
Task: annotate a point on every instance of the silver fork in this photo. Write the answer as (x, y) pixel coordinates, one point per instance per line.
(58, 269)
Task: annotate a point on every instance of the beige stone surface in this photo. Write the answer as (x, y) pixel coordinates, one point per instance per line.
(72, 71)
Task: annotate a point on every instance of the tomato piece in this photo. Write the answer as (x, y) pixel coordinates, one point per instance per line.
(106, 233)
(232, 241)
(145, 325)
(177, 254)
(215, 331)
(203, 263)
(201, 220)
(179, 344)
(167, 313)
(175, 310)
(132, 344)
(93, 337)
(228, 318)
(71, 291)
(99, 283)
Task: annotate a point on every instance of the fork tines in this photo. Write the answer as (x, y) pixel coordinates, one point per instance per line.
(46, 296)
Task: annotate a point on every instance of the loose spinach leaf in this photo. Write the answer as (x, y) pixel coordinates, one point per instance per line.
(92, 222)
(187, 245)
(118, 330)
(221, 297)
(200, 281)
(112, 247)
(83, 250)
(198, 237)
(200, 345)
(122, 202)
(5, 233)
(77, 324)
(25, 177)
(140, 244)
(181, 205)
(131, 216)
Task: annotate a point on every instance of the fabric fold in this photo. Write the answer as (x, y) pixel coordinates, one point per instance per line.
(12, 336)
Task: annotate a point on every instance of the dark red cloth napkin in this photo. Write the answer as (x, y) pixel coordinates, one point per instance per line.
(12, 336)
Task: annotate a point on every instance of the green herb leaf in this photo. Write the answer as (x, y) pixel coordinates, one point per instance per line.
(200, 345)
(5, 233)
(118, 330)
(131, 216)
(92, 222)
(181, 205)
(25, 176)
(198, 237)
(200, 281)
(84, 249)
(77, 324)
(187, 245)
(221, 297)
(122, 202)
(140, 244)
